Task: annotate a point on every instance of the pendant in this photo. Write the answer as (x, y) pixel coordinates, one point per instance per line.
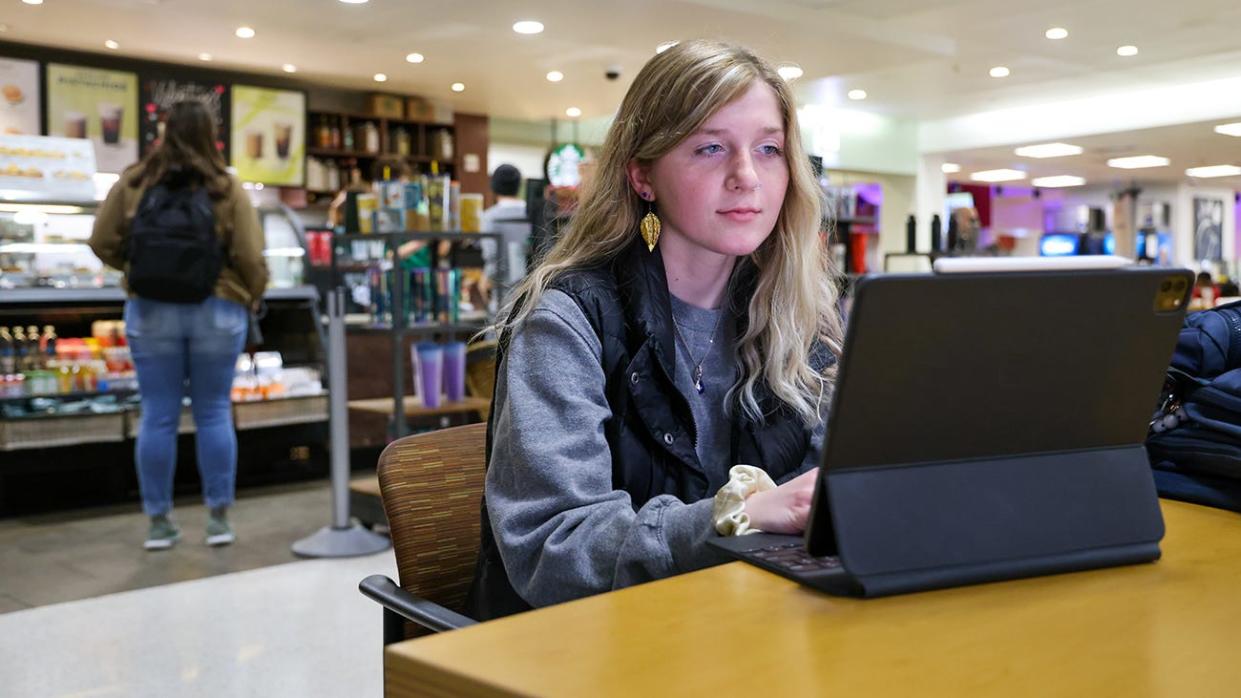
(698, 379)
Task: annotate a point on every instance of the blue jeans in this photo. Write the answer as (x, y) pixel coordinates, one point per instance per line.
(175, 344)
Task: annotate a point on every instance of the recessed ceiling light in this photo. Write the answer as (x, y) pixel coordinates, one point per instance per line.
(458, 87)
(1058, 181)
(857, 95)
(998, 176)
(355, 2)
(380, 77)
(1048, 150)
(665, 46)
(528, 26)
(572, 112)
(111, 44)
(999, 72)
(1127, 51)
(1137, 162)
(204, 56)
(1057, 33)
(790, 71)
(555, 76)
(33, 2)
(244, 33)
(950, 168)
(414, 58)
(1229, 129)
(1214, 171)
(289, 68)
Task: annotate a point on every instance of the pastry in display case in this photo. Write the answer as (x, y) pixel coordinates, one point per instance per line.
(44, 245)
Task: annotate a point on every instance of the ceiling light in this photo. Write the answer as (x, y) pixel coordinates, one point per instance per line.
(998, 176)
(1057, 33)
(244, 33)
(528, 26)
(665, 46)
(1127, 51)
(999, 72)
(950, 168)
(458, 87)
(204, 56)
(1048, 150)
(1058, 181)
(1214, 171)
(790, 71)
(355, 2)
(1137, 162)
(414, 58)
(555, 76)
(33, 2)
(111, 44)
(289, 68)
(572, 112)
(1229, 129)
(857, 95)
(380, 77)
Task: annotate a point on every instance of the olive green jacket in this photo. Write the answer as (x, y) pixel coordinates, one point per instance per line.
(244, 276)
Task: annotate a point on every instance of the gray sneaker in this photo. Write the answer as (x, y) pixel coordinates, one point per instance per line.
(163, 534)
(218, 530)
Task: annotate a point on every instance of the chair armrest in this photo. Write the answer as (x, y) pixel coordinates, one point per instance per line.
(415, 609)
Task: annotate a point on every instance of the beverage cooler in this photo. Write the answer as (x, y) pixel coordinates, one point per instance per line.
(69, 399)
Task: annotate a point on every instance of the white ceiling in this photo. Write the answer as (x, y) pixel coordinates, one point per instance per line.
(919, 59)
(1186, 145)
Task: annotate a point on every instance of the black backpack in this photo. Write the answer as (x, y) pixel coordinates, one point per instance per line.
(1195, 440)
(173, 251)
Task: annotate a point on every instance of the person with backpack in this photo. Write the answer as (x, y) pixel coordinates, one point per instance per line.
(189, 241)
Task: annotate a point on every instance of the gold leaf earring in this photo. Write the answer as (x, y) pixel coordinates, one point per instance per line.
(650, 226)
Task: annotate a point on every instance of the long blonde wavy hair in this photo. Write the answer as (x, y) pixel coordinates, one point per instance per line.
(794, 301)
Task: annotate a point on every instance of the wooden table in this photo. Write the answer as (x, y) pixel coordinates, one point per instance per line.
(413, 406)
(1170, 628)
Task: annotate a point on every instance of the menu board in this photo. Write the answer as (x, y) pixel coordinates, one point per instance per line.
(19, 97)
(158, 96)
(100, 105)
(269, 135)
(42, 168)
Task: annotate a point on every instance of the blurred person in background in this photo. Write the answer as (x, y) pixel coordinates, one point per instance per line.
(508, 218)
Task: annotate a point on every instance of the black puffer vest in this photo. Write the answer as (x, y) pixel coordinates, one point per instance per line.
(651, 431)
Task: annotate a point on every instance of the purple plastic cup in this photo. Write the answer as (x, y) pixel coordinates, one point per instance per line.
(428, 358)
(454, 371)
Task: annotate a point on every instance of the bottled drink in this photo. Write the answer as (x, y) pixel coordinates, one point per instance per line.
(8, 352)
(47, 343)
(20, 347)
(33, 354)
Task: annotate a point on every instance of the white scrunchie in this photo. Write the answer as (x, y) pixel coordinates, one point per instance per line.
(729, 511)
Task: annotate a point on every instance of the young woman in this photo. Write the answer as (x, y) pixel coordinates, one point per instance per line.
(173, 342)
(635, 372)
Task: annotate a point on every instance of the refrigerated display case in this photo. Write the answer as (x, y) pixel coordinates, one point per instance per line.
(85, 423)
(44, 245)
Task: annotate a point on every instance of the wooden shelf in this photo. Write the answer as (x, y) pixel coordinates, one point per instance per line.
(333, 153)
(356, 116)
(421, 328)
(414, 408)
(406, 237)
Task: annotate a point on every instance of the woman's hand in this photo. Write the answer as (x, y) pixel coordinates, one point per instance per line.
(784, 509)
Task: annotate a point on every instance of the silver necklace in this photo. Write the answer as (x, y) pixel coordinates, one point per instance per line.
(697, 371)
